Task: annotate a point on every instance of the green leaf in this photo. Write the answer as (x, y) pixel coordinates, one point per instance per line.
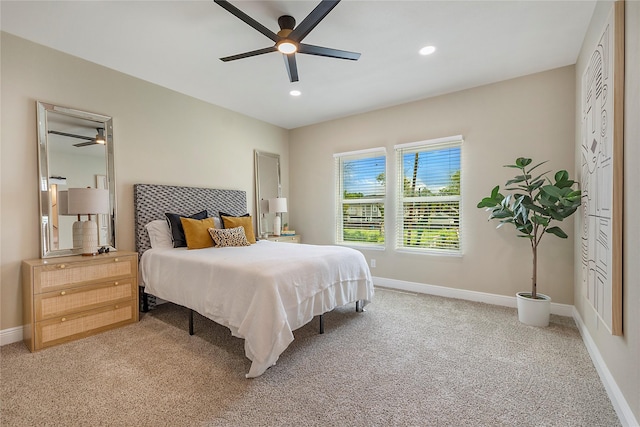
(495, 192)
(553, 191)
(522, 162)
(518, 178)
(557, 231)
(539, 165)
(540, 220)
(488, 202)
(561, 176)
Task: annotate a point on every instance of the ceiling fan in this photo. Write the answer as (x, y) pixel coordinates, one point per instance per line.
(288, 40)
(99, 138)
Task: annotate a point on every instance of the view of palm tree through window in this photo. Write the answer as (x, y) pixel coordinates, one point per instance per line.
(429, 216)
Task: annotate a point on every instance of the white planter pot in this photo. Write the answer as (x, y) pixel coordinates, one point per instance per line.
(533, 312)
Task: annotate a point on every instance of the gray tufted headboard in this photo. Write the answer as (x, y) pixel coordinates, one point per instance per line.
(152, 201)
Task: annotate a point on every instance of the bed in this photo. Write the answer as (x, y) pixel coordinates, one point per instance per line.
(261, 292)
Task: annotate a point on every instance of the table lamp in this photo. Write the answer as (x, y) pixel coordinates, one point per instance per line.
(88, 201)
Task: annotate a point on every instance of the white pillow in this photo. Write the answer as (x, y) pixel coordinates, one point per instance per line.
(216, 222)
(159, 234)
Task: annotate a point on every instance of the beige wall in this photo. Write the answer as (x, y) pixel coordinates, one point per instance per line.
(621, 354)
(530, 116)
(160, 137)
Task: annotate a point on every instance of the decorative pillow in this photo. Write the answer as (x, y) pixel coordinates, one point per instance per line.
(222, 214)
(223, 237)
(241, 221)
(177, 232)
(159, 234)
(196, 232)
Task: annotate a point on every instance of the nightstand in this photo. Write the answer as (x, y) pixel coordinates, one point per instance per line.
(73, 297)
(285, 239)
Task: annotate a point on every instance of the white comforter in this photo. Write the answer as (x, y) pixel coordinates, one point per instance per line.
(262, 292)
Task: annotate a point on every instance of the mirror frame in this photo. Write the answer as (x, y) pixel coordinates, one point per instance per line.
(258, 155)
(44, 199)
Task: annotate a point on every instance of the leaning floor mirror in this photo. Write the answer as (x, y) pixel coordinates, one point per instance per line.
(268, 186)
(77, 181)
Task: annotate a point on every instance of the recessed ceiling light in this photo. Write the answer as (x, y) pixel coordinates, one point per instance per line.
(295, 93)
(427, 50)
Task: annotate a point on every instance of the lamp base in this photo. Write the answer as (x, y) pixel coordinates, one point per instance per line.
(89, 238)
(77, 234)
(276, 225)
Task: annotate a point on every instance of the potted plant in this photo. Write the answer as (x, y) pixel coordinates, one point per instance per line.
(533, 206)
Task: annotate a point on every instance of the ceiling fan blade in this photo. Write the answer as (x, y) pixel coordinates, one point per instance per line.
(313, 19)
(71, 135)
(84, 144)
(292, 67)
(249, 54)
(326, 51)
(247, 19)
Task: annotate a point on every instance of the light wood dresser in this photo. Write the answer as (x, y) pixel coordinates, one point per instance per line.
(286, 239)
(73, 297)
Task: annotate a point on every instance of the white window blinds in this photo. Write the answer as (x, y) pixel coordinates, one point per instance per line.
(360, 197)
(428, 217)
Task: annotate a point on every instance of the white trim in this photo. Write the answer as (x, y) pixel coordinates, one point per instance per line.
(613, 391)
(454, 138)
(11, 335)
(360, 152)
(443, 291)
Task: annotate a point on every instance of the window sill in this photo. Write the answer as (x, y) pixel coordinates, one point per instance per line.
(430, 252)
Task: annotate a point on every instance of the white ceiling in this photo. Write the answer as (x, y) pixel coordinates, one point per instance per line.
(176, 44)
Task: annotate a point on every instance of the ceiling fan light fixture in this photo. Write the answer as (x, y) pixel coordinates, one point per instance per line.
(295, 93)
(100, 137)
(427, 50)
(287, 47)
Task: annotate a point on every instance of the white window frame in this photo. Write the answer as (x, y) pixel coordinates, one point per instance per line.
(340, 200)
(427, 145)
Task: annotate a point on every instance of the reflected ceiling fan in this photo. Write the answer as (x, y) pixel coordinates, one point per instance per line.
(288, 40)
(99, 138)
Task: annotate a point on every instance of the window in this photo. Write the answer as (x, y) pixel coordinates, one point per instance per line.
(360, 197)
(429, 195)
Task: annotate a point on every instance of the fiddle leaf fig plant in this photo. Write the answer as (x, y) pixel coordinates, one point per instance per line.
(533, 205)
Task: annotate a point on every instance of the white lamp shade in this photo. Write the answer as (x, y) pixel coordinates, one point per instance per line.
(87, 201)
(278, 205)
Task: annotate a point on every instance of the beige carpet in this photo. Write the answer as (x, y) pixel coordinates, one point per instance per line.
(410, 360)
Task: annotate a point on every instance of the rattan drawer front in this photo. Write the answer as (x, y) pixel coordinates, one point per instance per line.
(59, 330)
(51, 277)
(83, 298)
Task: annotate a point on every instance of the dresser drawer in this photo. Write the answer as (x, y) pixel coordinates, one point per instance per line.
(68, 328)
(285, 239)
(73, 300)
(65, 275)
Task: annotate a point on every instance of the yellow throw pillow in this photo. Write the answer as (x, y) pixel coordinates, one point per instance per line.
(196, 232)
(241, 221)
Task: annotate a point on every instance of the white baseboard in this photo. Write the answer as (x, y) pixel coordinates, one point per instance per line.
(442, 291)
(9, 336)
(617, 399)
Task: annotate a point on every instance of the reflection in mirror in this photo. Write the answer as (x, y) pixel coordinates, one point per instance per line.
(75, 150)
(268, 186)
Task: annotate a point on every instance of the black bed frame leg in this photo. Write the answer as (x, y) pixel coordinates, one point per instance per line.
(145, 300)
(359, 306)
(322, 324)
(190, 322)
